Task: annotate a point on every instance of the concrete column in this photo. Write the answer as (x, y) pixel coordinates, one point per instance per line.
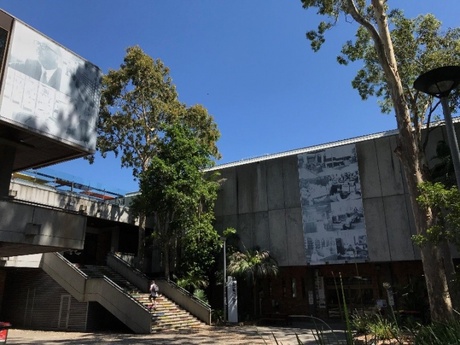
(7, 155)
(115, 239)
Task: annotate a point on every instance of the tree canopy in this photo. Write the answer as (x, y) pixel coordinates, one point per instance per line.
(179, 196)
(139, 111)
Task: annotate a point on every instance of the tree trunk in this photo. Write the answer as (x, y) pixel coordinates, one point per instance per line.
(255, 297)
(432, 255)
(166, 259)
(436, 283)
(141, 243)
(451, 274)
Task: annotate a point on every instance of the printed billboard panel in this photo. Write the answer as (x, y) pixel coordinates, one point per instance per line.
(332, 209)
(50, 90)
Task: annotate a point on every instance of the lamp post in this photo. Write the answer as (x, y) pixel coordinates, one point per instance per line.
(224, 240)
(439, 82)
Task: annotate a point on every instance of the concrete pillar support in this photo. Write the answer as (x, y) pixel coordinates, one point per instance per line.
(7, 155)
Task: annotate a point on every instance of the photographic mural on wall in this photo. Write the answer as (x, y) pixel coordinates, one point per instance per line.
(332, 209)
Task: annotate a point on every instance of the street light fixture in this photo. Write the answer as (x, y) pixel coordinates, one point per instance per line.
(439, 82)
(224, 240)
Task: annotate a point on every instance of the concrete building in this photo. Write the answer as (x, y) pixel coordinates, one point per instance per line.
(331, 215)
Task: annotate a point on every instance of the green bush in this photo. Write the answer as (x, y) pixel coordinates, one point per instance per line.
(361, 321)
(439, 334)
(201, 295)
(383, 329)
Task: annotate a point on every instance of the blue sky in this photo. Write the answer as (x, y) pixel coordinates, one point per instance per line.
(247, 62)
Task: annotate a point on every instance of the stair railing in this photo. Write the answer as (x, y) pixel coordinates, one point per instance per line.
(65, 274)
(126, 308)
(185, 299)
(128, 271)
(102, 290)
(168, 288)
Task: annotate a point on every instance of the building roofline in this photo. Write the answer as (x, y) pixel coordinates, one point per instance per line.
(307, 149)
(315, 148)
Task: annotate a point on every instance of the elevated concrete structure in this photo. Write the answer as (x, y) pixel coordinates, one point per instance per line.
(33, 229)
(38, 218)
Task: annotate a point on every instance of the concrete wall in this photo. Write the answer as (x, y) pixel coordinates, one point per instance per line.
(33, 300)
(46, 195)
(100, 290)
(31, 226)
(29, 261)
(261, 200)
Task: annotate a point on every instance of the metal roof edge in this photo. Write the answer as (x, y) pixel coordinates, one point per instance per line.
(305, 149)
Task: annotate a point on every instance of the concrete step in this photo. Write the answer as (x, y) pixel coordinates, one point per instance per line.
(166, 315)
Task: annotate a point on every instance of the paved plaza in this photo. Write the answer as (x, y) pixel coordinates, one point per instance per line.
(230, 335)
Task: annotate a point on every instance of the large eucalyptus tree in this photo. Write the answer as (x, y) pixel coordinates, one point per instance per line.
(393, 52)
(138, 101)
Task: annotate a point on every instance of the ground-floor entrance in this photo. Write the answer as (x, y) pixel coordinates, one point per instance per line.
(319, 290)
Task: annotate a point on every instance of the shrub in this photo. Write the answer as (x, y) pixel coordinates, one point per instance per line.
(439, 334)
(201, 295)
(361, 322)
(383, 329)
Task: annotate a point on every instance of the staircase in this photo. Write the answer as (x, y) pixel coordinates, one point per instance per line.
(167, 315)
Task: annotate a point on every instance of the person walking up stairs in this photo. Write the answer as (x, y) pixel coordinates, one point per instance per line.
(154, 289)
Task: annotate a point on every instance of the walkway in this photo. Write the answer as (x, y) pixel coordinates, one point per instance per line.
(253, 335)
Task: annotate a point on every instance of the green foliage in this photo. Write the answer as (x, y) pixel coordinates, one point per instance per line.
(375, 325)
(134, 100)
(446, 202)
(191, 282)
(439, 334)
(383, 328)
(393, 51)
(252, 265)
(229, 232)
(179, 196)
(419, 44)
(201, 295)
(361, 322)
(194, 285)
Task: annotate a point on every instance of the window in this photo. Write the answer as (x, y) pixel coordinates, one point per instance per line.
(294, 288)
(304, 288)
